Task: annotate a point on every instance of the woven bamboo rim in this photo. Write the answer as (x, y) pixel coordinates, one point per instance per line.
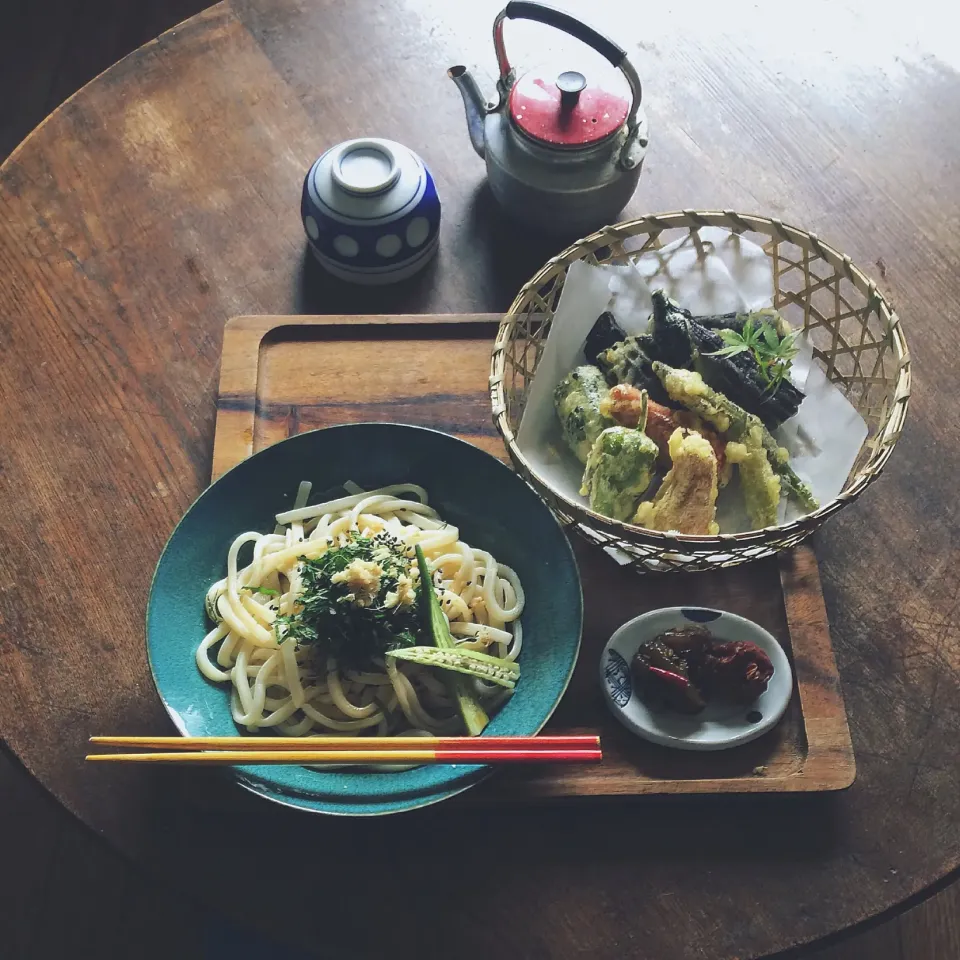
(858, 340)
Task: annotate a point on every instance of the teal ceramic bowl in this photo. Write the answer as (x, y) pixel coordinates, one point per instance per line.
(493, 508)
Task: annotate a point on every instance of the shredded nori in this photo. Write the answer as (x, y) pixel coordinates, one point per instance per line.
(330, 622)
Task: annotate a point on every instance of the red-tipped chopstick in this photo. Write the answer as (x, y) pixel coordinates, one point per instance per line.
(267, 742)
(322, 750)
(492, 755)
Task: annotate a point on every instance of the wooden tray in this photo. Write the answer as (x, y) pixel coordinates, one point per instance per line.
(283, 375)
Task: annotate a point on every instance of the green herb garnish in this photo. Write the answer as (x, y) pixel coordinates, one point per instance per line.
(266, 591)
(356, 602)
(774, 354)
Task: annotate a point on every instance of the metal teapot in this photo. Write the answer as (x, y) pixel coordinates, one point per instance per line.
(561, 155)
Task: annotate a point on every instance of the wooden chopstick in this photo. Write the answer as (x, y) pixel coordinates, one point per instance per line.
(432, 755)
(322, 744)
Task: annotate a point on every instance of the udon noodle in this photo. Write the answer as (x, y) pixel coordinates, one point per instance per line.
(298, 691)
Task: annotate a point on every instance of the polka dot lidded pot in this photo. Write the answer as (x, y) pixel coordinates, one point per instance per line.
(371, 211)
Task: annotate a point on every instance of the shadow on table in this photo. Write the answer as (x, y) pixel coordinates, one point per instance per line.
(319, 292)
(221, 941)
(654, 847)
(503, 254)
(483, 261)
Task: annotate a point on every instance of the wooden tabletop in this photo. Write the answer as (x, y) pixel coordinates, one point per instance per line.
(163, 199)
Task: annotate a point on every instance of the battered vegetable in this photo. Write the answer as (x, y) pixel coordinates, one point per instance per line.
(688, 388)
(604, 334)
(687, 500)
(577, 398)
(681, 340)
(629, 362)
(619, 469)
(624, 405)
(760, 485)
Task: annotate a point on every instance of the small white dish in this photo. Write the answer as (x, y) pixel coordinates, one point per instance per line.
(719, 725)
(370, 211)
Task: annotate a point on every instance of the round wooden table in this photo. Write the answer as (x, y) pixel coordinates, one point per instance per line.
(163, 199)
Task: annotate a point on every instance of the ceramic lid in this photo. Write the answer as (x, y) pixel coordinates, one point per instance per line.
(365, 167)
(367, 181)
(568, 110)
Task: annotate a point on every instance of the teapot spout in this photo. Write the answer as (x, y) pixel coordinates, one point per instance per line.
(474, 103)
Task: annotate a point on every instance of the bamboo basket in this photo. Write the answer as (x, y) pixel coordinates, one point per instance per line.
(857, 339)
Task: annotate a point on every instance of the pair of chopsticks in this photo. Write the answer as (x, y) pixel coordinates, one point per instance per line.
(319, 750)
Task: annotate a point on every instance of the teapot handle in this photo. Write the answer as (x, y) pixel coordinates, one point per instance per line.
(551, 17)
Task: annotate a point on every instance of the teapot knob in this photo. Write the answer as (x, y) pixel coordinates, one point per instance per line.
(570, 83)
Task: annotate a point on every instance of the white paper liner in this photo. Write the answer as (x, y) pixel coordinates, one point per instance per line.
(725, 272)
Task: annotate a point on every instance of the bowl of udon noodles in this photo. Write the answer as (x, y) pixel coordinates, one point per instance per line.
(286, 602)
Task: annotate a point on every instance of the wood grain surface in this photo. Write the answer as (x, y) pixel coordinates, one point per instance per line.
(162, 200)
(282, 375)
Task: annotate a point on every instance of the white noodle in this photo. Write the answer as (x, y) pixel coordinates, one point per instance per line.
(279, 685)
(345, 503)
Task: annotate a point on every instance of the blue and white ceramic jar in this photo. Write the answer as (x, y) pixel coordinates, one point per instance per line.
(371, 211)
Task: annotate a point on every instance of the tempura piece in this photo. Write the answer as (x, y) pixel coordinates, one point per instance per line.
(623, 404)
(619, 469)
(688, 388)
(577, 398)
(740, 378)
(687, 499)
(629, 362)
(733, 422)
(604, 334)
(760, 485)
(678, 339)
